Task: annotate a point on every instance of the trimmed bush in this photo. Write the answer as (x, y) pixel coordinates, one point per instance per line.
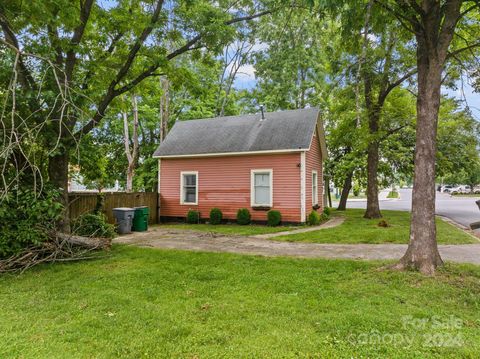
(243, 216)
(216, 216)
(93, 225)
(193, 216)
(324, 217)
(327, 211)
(274, 218)
(313, 218)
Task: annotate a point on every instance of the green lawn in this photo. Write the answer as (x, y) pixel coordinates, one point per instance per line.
(356, 229)
(160, 303)
(393, 194)
(475, 195)
(248, 230)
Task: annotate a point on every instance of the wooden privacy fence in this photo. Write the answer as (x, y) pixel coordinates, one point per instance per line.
(81, 203)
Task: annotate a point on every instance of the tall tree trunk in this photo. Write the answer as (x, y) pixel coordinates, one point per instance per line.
(58, 176)
(347, 186)
(373, 206)
(422, 252)
(434, 35)
(130, 175)
(131, 155)
(328, 197)
(164, 107)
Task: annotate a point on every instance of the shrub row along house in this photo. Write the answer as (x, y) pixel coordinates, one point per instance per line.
(259, 162)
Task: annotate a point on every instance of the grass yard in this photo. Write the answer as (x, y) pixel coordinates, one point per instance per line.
(393, 194)
(160, 303)
(247, 230)
(356, 229)
(474, 195)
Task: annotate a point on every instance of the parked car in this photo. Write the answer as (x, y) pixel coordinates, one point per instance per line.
(460, 189)
(476, 189)
(446, 188)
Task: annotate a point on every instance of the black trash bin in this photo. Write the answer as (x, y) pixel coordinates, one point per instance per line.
(124, 218)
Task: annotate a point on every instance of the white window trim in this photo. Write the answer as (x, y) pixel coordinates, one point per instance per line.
(252, 187)
(182, 174)
(315, 200)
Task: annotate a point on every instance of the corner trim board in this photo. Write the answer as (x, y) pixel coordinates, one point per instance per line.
(303, 165)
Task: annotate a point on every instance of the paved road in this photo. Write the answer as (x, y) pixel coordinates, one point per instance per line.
(462, 210)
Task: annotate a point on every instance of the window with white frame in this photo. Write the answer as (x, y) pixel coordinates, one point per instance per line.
(314, 188)
(262, 188)
(189, 187)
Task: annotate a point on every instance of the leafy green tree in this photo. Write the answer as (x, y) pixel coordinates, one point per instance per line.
(192, 93)
(434, 24)
(74, 59)
(458, 143)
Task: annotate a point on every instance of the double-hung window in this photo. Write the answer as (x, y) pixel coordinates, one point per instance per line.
(314, 188)
(261, 193)
(189, 187)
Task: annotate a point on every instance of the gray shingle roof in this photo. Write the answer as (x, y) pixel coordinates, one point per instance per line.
(285, 130)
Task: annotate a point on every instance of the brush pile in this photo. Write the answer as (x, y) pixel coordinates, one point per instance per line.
(59, 248)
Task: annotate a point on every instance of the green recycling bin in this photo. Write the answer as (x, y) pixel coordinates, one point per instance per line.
(140, 219)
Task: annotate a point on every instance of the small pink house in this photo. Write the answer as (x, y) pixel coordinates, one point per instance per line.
(253, 161)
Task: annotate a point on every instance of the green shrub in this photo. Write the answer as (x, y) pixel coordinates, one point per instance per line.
(313, 218)
(93, 225)
(327, 211)
(193, 216)
(216, 216)
(243, 216)
(356, 190)
(324, 217)
(274, 218)
(26, 219)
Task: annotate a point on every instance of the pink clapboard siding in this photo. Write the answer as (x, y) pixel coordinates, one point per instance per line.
(314, 162)
(224, 182)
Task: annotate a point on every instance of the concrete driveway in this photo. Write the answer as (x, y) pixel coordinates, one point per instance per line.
(168, 238)
(462, 210)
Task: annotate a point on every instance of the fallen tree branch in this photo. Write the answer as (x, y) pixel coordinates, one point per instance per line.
(85, 242)
(60, 248)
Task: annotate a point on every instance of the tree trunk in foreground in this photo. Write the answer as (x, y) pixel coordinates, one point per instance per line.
(58, 175)
(434, 32)
(347, 186)
(422, 253)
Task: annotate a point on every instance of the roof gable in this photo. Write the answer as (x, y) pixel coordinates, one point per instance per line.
(279, 131)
